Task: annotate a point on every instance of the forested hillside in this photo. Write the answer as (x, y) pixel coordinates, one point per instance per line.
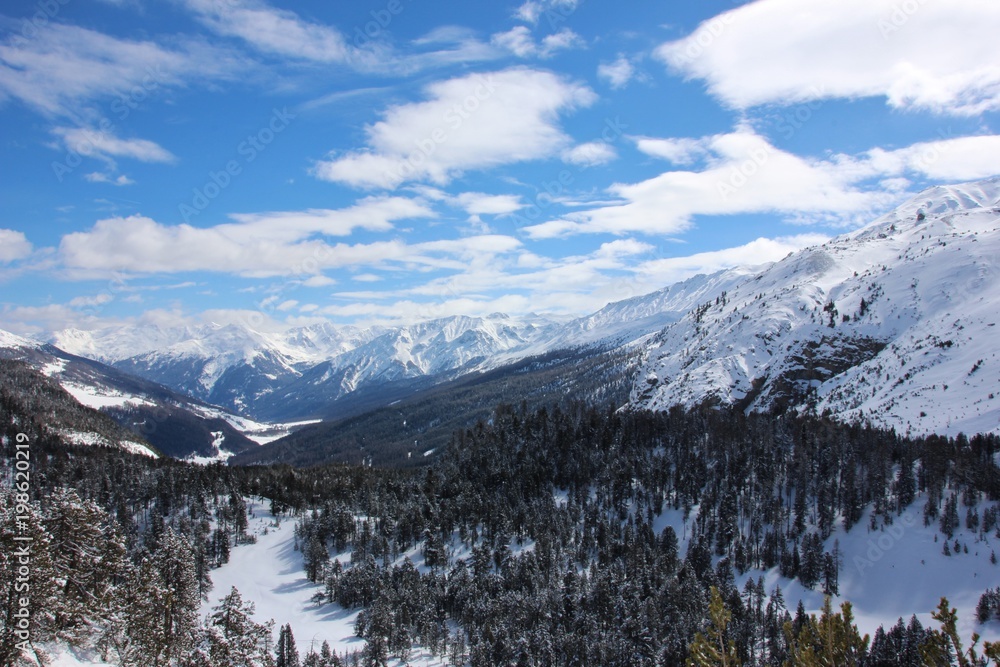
(541, 537)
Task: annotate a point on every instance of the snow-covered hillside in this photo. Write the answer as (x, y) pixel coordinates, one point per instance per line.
(889, 573)
(176, 424)
(894, 324)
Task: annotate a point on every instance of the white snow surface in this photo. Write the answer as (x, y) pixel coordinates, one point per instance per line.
(923, 344)
(270, 574)
(97, 397)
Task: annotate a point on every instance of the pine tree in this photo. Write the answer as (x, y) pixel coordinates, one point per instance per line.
(944, 645)
(286, 655)
(156, 622)
(714, 648)
(90, 561)
(234, 639)
(831, 640)
(23, 537)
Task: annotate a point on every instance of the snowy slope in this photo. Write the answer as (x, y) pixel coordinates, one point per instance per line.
(269, 573)
(175, 424)
(893, 324)
(888, 573)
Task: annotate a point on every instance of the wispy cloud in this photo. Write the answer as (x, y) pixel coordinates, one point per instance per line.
(93, 143)
(63, 69)
(98, 177)
(284, 33)
(519, 41)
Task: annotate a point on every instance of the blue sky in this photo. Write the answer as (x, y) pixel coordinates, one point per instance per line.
(277, 164)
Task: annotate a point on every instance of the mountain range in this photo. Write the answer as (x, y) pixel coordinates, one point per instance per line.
(892, 325)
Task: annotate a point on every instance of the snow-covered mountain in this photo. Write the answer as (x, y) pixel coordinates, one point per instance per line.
(891, 324)
(254, 372)
(175, 424)
(894, 324)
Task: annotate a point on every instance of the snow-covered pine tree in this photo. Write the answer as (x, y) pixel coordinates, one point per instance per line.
(90, 560)
(23, 537)
(233, 638)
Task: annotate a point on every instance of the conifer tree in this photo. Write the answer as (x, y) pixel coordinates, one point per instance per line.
(234, 639)
(286, 655)
(714, 648)
(23, 538)
(831, 641)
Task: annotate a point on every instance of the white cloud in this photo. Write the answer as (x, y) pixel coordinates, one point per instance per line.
(957, 159)
(562, 40)
(519, 41)
(283, 244)
(475, 121)
(617, 73)
(939, 56)
(276, 243)
(275, 31)
(745, 174)
(556, 10)
(590, 154)
(93, 143)
(63, 68)
(371, 213)
(91, 301)
(14, 245)
(478, 203)
(319, 281)
(529, 11)
(284, 33)
(681, 151)
(98, 177)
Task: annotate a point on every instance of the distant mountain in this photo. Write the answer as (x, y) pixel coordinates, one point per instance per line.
(151, 414)
(298, 373)
(894, 325)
